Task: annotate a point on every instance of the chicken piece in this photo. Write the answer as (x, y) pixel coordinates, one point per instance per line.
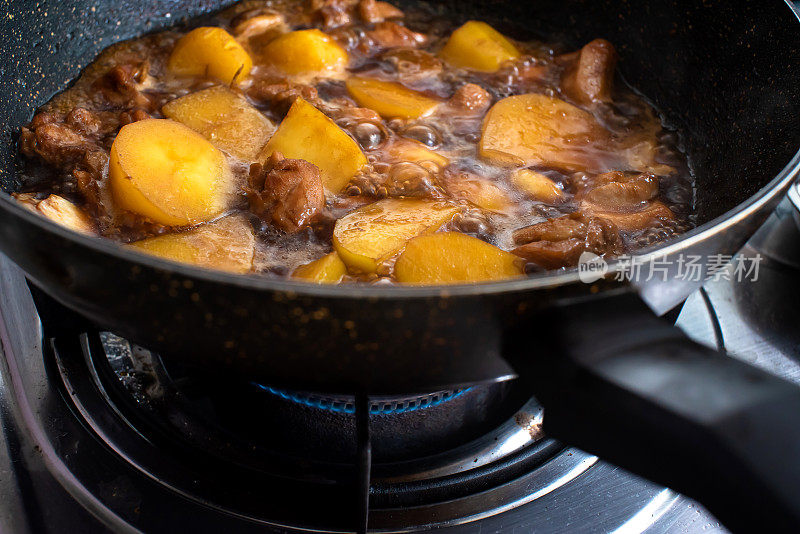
(551, 230)
(374, 11)
(651, 214)
(412, 64)
(591, 78)
(65, 141)
(352, 114)
(625, 199)
(83, 121)
(288, 192)
(471, 97)
(407, 179)
(280, 96)
(136, 115)
(557, 243)
(58, 144)
(255, 22)
(120, 86)
(332, 13)
(392, 35)
(59, 210)
(621, 192)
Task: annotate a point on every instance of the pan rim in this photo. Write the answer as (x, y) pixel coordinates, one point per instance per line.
(539, 281)
(545, 280)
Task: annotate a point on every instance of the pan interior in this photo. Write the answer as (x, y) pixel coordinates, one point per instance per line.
(723, 73)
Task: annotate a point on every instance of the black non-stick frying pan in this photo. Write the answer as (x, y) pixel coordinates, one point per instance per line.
(614, 379)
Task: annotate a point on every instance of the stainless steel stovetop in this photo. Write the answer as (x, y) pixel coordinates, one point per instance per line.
(97, 436)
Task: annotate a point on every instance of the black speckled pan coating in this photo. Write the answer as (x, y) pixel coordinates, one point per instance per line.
(724, 72)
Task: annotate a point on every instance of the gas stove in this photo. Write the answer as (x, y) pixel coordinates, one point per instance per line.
(101, 435)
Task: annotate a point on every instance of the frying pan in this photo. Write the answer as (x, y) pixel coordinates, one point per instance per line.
(614, 378)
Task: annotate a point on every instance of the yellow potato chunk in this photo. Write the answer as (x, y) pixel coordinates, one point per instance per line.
(306, 53)
(390, 99)
(225, 119)
(167, 172)
(536, 129)
(374, 233)
(478, 46)
(329, 269)
(452, 258)
(482, 193)
(537, 186)
(59, 210)
(210, 52)
(306, 133)
(226, 245)
(408, 150)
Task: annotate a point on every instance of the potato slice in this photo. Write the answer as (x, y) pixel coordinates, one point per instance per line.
(390, 99)
(478, 46)
(537, 186)
(408, 150)
(167, 172)
(226, 244)
(306, 133)
(59, 210)
(306, 53)
(451, 258)
(535, 129)
(374, 233)
(480, 192)
(329, 269)
(225, 119)
(213, 52)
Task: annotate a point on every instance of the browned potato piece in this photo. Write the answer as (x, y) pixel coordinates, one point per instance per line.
(374, 233)
(225, 119)
(537, 186)
(329, 269)
(59, 210)
(211, 52)
(169, 173)
(225, 245)
(390, 99)
(307, 133)
(478, 46)
(452, 258)
(534, 129)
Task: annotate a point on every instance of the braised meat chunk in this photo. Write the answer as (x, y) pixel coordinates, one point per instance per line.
(471, 97)
(373, 11)
(560, 242)
(393, 35)
(626, 199)
(591, 78)
(287, 192)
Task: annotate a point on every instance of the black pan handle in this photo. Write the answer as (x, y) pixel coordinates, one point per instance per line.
(633, 389)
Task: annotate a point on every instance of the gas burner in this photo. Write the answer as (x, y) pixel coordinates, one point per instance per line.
(388, 406)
